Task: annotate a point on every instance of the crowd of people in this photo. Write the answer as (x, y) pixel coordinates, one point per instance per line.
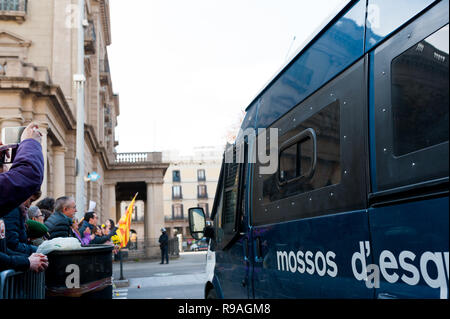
(23, 225)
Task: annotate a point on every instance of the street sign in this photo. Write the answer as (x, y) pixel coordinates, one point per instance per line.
(93, 177)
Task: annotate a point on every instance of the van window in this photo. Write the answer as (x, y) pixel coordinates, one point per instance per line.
(296, 160)
(420, 94)
(322, 155)
(409, 99)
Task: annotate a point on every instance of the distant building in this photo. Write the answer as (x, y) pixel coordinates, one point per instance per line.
(190, 181)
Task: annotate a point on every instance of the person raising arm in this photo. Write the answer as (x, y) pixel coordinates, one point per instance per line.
(26, 173)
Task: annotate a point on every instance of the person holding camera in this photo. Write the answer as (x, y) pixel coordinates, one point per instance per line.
(17, 184)
(26, 174)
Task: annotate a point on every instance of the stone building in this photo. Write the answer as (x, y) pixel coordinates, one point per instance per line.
(190, 181)
(38, 60)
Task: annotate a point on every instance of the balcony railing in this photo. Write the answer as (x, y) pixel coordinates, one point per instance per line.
(13, 5)
(138, 158)
(105, 75)
(177, 218)
(104, 66)
(13, 10)
(90, 38)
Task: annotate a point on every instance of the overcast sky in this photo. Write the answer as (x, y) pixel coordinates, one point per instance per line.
(185, 69)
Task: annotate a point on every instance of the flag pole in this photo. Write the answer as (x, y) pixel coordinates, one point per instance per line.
(121, 266)
(120, 250)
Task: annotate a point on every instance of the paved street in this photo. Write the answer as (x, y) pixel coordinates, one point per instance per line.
(182, 278)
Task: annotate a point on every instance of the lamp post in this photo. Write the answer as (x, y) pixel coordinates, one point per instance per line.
(80, 80)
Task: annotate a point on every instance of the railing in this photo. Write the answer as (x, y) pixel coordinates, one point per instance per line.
(13, 5)
(22, 285)
(90, 38)
(89, 34)
(136, 158)
(176, 218)
(104, 66)
(138, 248)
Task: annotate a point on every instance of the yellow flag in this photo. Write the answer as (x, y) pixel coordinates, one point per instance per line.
(123, 230)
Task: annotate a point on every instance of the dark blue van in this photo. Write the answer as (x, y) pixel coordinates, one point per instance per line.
(358, 205)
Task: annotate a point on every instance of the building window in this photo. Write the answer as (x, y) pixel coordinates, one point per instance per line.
(201, 176)
(13, 5)
(177, 211)
(176, 192)
(205, 207)
(137, 215)
(176, 176)
(13, 10)
(201, 191)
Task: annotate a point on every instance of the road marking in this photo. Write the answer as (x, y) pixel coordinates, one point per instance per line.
(120, 293)
(163, 274)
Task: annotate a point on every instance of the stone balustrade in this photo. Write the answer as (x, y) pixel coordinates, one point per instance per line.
(138, 158)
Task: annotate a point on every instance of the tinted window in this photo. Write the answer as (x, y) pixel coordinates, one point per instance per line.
(330, 128)
(288, 163)
(420, 94)
(296, 160)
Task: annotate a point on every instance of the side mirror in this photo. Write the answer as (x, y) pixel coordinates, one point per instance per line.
(197, 222)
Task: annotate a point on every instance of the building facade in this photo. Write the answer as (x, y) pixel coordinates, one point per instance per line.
(38, 59)
(190, 181)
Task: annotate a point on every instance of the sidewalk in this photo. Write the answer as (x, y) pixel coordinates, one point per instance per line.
(189, 268)
(164, 280)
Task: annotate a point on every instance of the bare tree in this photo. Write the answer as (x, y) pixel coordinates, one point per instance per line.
(233, 130)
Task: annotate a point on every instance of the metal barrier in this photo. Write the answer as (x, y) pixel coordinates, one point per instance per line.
(22, 285)
(149, 248)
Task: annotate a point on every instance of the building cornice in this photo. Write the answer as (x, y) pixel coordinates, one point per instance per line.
(106, 22)
(30, 79)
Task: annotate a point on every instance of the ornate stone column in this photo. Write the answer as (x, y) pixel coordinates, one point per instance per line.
(59, 171)
(10, 122)
(110, 202)
(11, 109)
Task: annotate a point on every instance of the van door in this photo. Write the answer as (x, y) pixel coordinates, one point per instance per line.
(310, 224)
(409, 205)
(231, 237)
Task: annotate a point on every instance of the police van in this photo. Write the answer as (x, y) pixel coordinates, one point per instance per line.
(337, 185)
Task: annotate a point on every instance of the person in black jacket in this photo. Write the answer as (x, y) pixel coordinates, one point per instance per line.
(59, 224)
(164, 245)
(17, 261)
(16, 232)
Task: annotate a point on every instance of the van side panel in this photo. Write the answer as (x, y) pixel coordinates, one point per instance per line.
(311, 236)
(312, 258)
(409, 203)
(410, 247)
